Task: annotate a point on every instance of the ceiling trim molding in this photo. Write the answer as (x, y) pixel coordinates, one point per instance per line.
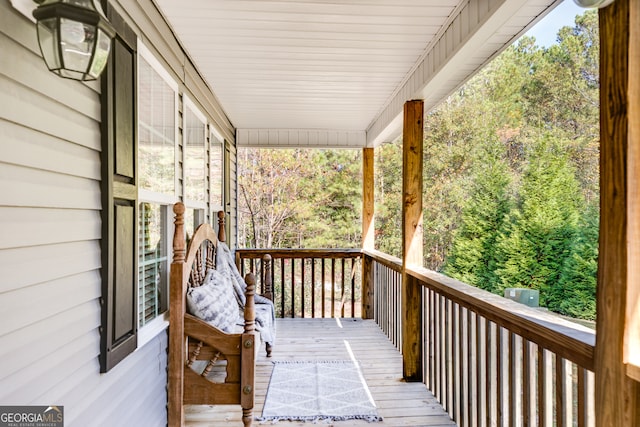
(300, 138)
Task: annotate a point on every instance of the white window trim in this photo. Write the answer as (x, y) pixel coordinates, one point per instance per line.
(215, 133)
(149, 331)
(153, 197)
(158, 68)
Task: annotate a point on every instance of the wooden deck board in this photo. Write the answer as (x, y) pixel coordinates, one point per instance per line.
(399, 403)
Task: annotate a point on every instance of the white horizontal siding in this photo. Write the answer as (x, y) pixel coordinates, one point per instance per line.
(47, 226)
(29, 305)
(29, 345)
(124, 398)
(32, 148)
(27, 266)
(50, 258)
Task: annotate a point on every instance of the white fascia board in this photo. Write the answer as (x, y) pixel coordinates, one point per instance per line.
(445, 66)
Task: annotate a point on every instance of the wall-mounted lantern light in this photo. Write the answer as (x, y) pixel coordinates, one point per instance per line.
(74, 37)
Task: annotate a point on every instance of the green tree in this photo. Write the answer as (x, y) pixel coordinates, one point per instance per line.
(576, 290)
(388, 198)
(332, 217)
(542, 228)
(473, 257)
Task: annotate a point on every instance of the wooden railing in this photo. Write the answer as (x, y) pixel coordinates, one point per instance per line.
(387, 282)
(308, 282)
(488, 360)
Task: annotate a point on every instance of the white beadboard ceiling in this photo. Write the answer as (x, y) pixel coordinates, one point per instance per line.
(336, 73)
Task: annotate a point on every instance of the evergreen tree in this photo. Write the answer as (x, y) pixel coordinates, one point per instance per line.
(576, 290)
(472, 259)
(538, 238)
(332, 217)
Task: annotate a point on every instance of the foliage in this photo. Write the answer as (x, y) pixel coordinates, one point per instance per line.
(299, 198)
(473, 255)
(542, 226)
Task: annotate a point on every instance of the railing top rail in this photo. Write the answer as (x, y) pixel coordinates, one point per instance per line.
(394, 263)
(563, 337)
(249, 253)
(568, 339)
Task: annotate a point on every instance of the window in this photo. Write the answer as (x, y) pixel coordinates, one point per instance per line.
(216, 172)
(157, 148)
(153, 262)
(156, 126)
(195, 165)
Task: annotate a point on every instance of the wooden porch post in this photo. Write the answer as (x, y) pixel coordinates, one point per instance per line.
(617, 396)
(368, 230)
(412, 143)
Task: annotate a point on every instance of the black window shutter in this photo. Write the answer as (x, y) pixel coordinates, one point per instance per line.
(119, 198)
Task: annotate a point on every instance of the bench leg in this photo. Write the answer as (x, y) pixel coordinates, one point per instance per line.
(247, 417)
(269, 348)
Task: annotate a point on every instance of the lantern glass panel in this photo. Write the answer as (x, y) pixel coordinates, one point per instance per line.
(76, 42)
(48, 38)
(102, 54)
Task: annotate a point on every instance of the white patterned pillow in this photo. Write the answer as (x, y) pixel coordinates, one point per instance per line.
(214, 301)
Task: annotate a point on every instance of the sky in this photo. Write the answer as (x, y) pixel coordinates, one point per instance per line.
(546, 30)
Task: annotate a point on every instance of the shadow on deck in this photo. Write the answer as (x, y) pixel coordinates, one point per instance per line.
(398, 402)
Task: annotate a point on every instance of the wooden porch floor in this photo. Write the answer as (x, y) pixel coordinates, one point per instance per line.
(398, 402)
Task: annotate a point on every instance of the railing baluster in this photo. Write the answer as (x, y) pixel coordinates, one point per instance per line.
(342, 285)
(545, 388)
(437, 344)
(463, 382)
(526, 383)
(449, 356)
(333, 287)
(302, 293)
(455, 362)
(323, 290)
(353, 287)
(516, 357)
(492, 373)
(283, 288)
(500, 376)
(313, 287)
(429, 354)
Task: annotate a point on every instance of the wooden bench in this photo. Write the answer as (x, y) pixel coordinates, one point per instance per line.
(206, 365)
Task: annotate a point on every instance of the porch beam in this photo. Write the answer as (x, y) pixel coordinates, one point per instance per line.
(297, 138)
(368, 230)
(617, 395)
(412, 143)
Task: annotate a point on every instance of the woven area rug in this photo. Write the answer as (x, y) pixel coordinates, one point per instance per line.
(318, 391)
